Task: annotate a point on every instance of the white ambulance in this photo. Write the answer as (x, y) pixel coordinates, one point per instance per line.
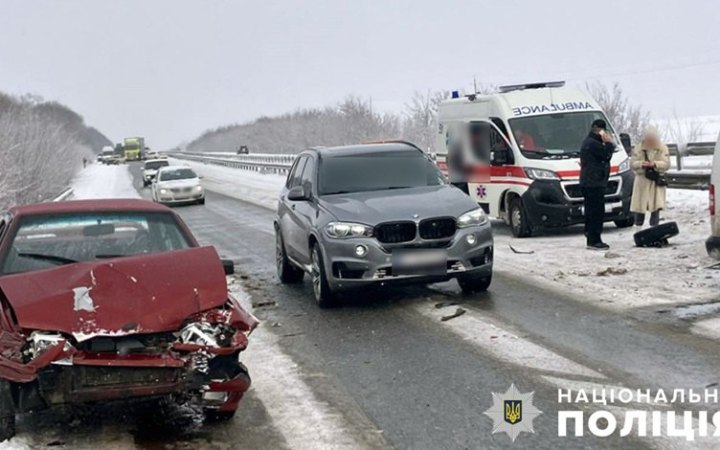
(517, 153)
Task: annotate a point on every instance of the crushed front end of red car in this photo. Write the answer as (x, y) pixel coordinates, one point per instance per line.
(155, 325)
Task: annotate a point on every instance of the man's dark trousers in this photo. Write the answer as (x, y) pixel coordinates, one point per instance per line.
(594, 213)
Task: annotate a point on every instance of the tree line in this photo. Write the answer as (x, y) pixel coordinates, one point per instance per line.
(42, 146)
(354, 120)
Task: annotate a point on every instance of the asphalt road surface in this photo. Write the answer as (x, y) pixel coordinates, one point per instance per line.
(384, 371)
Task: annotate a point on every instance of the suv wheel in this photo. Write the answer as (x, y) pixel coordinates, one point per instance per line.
(286, 272)
(324, 297)
(519, 219)
(471, 284)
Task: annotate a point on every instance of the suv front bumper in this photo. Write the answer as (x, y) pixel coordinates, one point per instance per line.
(345, 270)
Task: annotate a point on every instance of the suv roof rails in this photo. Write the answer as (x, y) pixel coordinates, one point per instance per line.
(521, 87)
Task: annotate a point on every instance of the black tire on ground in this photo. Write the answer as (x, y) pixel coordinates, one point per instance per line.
(7, 412)
(324, 296)
(625, 223)
(471, 284)
(656, 235)
(518, 219)
(712, 245)
(201, 201)
(286, 272)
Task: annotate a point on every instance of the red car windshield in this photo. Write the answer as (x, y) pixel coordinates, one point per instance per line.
(42, 242)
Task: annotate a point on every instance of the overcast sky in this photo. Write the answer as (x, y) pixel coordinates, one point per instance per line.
(169, 69)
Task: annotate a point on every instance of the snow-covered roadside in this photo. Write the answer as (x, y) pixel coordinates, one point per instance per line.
(252, 187)
(624, 278)
(305, 421)
(101, 181)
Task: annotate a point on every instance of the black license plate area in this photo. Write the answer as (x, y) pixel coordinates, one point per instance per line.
(419, 262)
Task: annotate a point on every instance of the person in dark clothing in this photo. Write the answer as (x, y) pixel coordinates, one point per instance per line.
(595, 154)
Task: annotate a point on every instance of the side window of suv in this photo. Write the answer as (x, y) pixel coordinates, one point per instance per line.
(295, 177)
(306, 179)
(2, 227)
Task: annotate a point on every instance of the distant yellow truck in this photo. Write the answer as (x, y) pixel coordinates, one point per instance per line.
(133, 148)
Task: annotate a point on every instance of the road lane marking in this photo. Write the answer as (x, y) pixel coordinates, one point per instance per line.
(304, 421)
(505, 344)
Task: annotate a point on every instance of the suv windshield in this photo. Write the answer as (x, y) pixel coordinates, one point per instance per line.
(177, 174)
(377, 171)
(154, 165)
(42, 242)
(553, 134)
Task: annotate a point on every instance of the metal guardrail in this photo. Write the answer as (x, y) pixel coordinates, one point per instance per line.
(688, 180)
(263, 163)
(66, 194)
(281, 163)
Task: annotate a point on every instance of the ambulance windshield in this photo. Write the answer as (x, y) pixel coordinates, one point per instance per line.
(553, 135)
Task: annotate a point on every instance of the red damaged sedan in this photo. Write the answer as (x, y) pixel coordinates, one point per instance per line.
(114, 299)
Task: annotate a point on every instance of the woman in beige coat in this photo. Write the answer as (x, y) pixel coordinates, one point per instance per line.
(647, 196)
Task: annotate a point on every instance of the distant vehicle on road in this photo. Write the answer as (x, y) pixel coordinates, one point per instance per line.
(150, 170)
(177, 184)
(106, 154)
(374, 214)
(133, 147)
(713, 242)
(114, 300)
(243, 150)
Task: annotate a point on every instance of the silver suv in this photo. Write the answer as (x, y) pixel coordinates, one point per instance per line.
(374, 214)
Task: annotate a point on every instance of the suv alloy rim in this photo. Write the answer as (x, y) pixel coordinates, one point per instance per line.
(316, 276)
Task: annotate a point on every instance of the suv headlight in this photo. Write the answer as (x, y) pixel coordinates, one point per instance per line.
(163, 191)
(541, 174)
(198, 188)
(341, 230)
(624, 166)
(472, 218)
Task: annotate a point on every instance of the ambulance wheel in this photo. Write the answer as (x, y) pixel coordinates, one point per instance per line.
(625, 223)
(519, 219)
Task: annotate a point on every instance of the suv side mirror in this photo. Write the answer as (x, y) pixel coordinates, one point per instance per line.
(297, 193)
(626, 142)
(228, 266)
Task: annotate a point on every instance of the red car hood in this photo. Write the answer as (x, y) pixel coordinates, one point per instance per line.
(137, 294)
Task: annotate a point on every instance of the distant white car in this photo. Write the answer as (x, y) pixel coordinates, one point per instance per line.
(177, 184)
(150, 169)
(712, 244)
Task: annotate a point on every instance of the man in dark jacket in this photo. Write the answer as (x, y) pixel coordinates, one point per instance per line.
(595, 155)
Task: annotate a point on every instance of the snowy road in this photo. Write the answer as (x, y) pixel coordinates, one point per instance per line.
(385, 371)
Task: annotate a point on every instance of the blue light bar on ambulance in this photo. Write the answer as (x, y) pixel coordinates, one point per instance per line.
(520, 87)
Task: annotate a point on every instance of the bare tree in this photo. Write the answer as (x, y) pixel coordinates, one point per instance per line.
(421, 125)
(681, 131)
(625, 117)
(41, 149)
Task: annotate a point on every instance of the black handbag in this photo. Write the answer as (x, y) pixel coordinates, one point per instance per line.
(653, 175)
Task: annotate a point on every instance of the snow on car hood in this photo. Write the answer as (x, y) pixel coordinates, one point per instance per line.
(135, 294)
(373, 207)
